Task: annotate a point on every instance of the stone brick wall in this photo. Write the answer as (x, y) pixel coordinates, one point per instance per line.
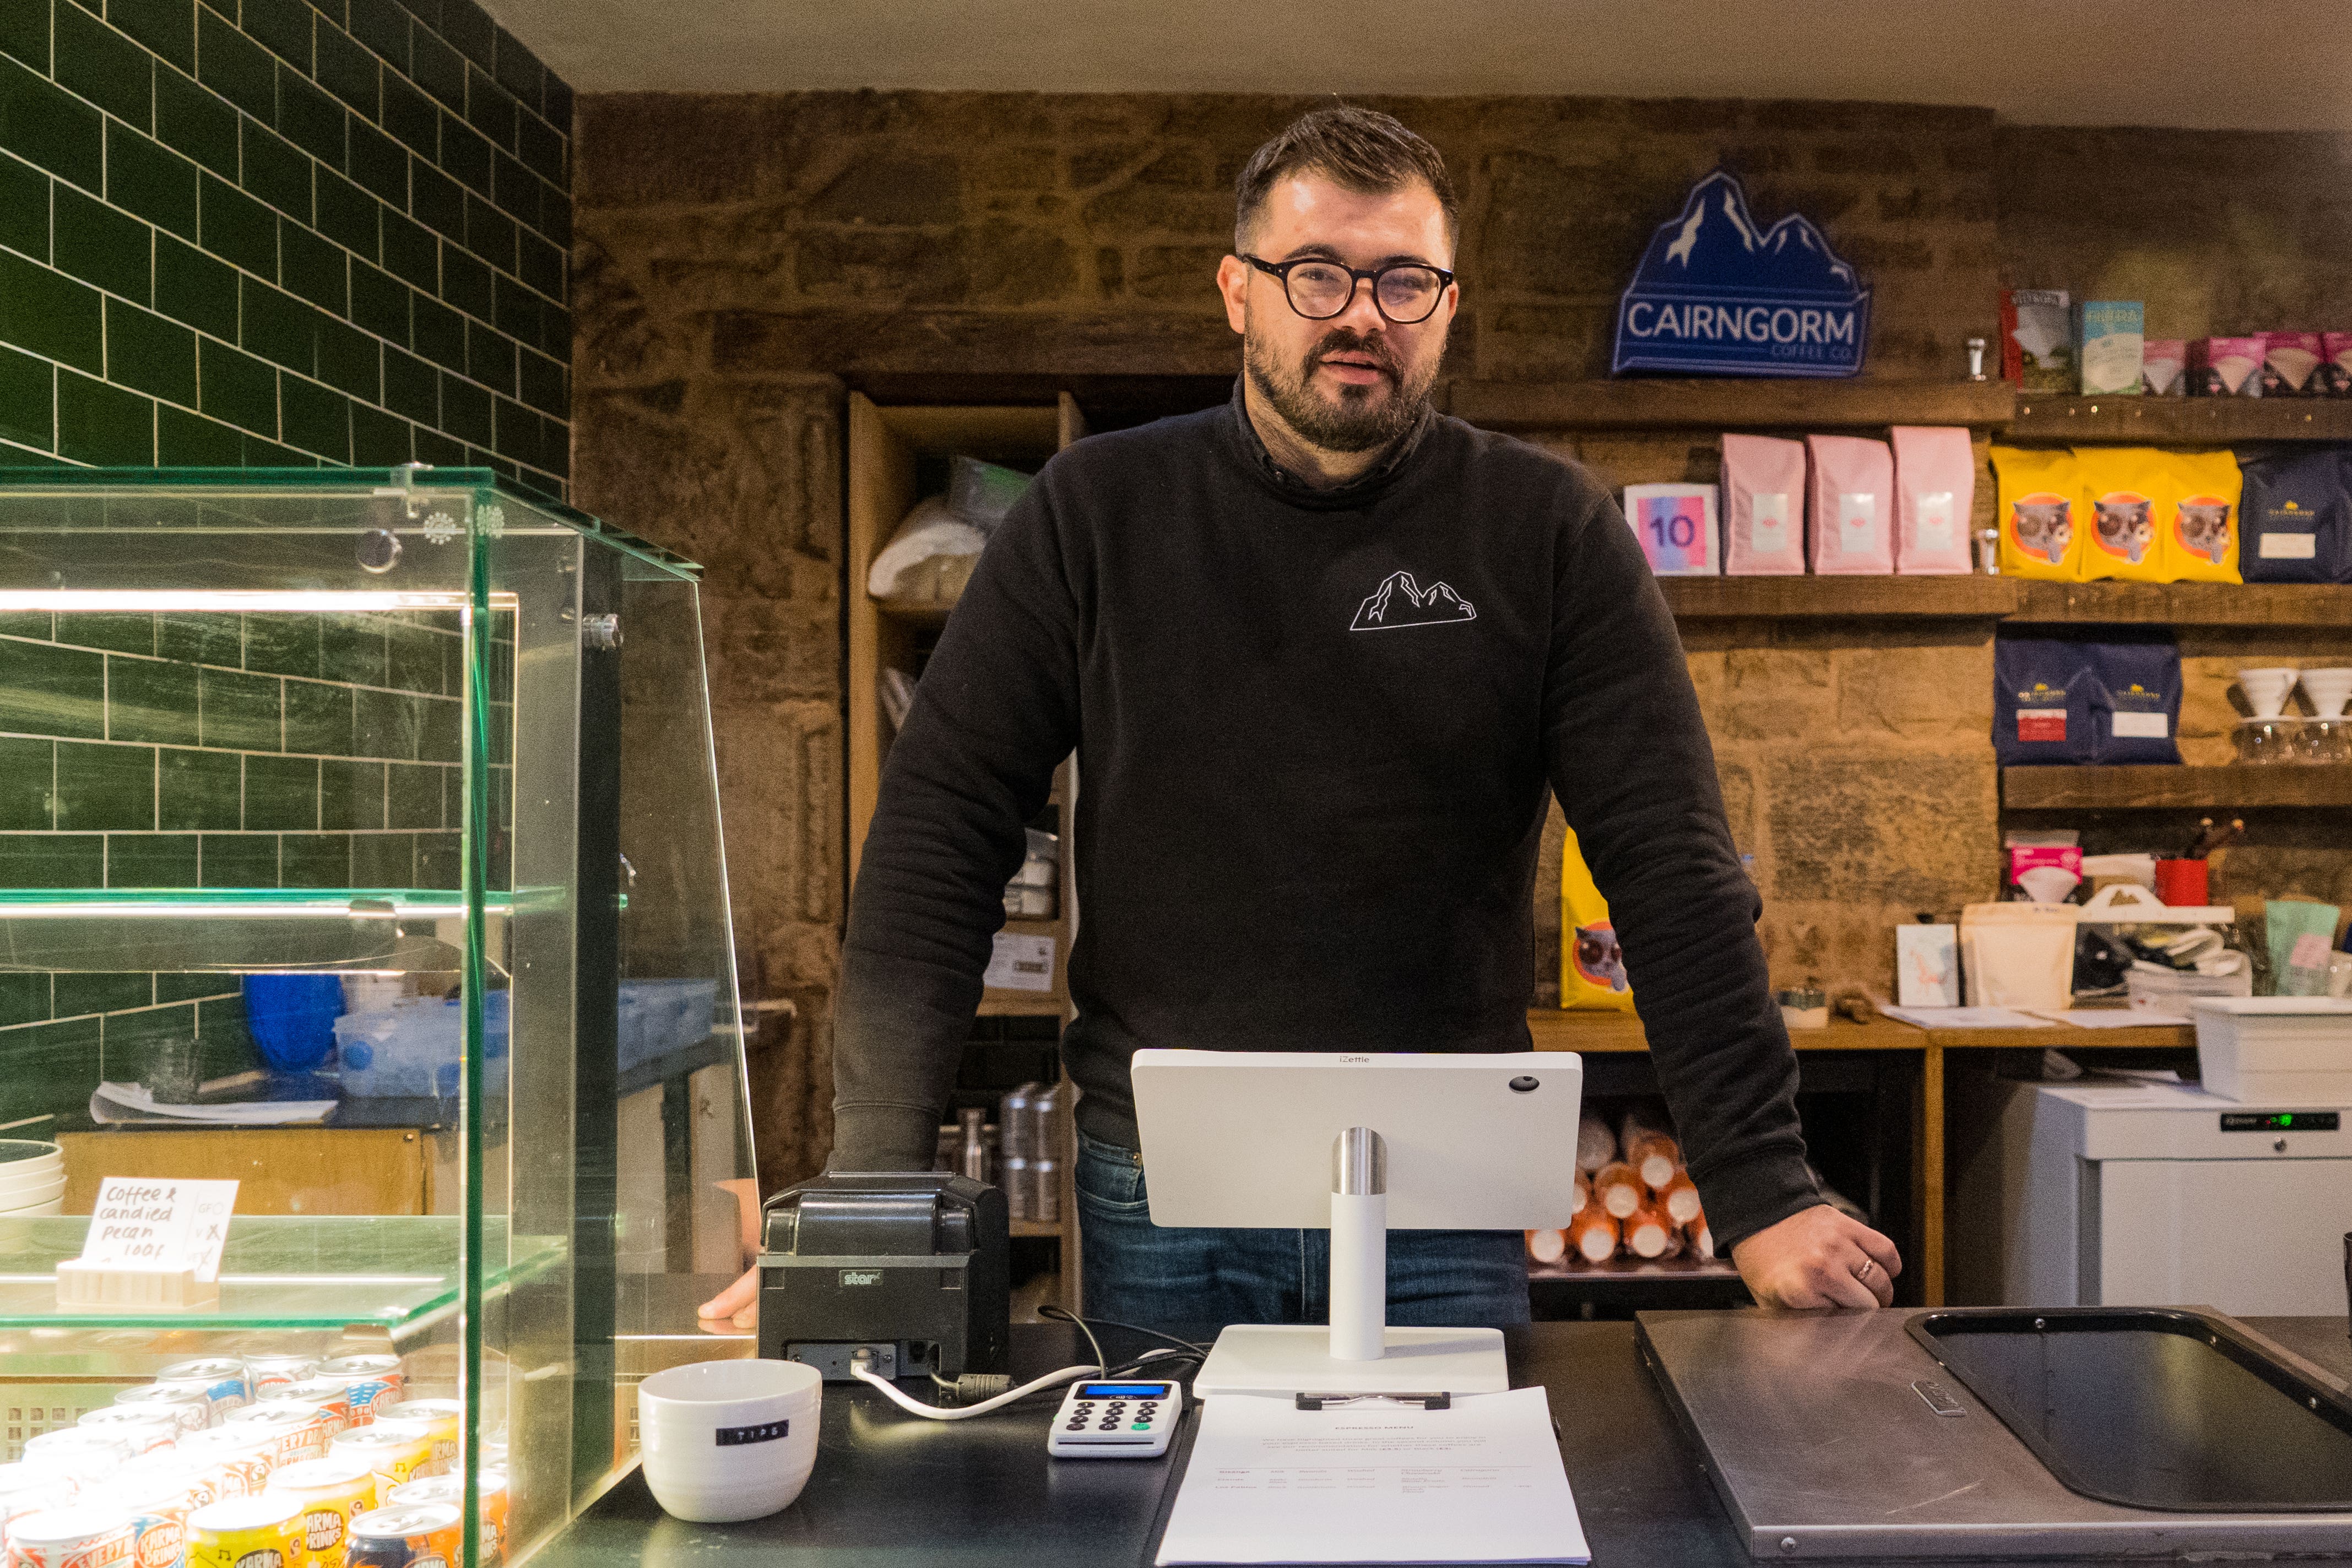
(741, 259)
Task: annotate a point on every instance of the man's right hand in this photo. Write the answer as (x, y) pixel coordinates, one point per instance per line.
(737, 1306)
(1819, 1257)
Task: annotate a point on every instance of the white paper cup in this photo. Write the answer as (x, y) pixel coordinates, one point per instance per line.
(728, 1440)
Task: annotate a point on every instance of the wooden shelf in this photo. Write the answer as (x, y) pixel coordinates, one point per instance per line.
(1729, 404)
(1957, 597)
(1052, 1228)
(2065, 1036)
(1562, 1029)
(1633, 1271)
(2293, 604)
(2164, 787)
(2178, 420)
(928, 612)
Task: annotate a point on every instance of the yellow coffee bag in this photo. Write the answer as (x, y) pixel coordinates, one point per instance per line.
(2128, 496)
(2038, 504)
(2201, 536)
(1592, 970)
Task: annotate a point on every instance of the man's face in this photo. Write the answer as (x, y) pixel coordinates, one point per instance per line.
(1357, 381)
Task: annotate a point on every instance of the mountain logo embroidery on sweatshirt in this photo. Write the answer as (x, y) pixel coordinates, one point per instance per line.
(1400, 601)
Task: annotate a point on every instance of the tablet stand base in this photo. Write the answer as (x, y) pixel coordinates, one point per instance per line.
(1288, 1359)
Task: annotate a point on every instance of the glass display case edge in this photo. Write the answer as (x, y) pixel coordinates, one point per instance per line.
(570, 965)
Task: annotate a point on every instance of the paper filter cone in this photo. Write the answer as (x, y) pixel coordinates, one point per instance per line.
(2048, 883)
(2329, 691)
(2266, 690)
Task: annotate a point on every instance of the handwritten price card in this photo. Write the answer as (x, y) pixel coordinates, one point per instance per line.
(139, 1223)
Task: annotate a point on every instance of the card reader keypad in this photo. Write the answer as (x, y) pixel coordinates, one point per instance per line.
(1115, 1420)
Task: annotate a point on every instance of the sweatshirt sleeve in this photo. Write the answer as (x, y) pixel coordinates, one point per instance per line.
(1631, 763)
(994, 715)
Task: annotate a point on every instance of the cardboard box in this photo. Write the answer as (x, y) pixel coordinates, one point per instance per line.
(2107, 343)
(2225, 367)
(2037, 340)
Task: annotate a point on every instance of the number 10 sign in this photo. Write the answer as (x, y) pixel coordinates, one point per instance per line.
(1676, 524)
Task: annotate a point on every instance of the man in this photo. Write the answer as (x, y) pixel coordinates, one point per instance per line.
(1320, 651)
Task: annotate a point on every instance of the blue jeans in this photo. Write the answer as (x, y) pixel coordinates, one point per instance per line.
(1204, 1279)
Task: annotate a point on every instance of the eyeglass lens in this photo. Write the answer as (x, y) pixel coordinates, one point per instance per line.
(1405, 294)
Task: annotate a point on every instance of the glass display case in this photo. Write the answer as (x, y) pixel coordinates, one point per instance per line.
(359, 842)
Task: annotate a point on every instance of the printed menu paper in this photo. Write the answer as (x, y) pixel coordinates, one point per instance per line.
(138, 1223)
(1375, 1482)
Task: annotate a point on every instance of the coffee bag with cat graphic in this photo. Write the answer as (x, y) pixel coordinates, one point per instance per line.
(2129, 495)
(2037, 499)
(1591, 968)
(2201, 539)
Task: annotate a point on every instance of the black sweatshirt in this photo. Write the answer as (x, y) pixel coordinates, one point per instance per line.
(1315, 730)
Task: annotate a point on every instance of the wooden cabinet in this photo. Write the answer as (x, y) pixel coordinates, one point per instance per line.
(896, 456)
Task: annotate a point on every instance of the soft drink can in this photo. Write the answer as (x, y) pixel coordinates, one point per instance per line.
(333, 1492)
(375, 1380)
(222, 1379)
(424, 1535)
(89, 1535)
(300, 1429)
(86, 1453)
(160, 1500)
(184, 1402)
(332, 1395)
(270, 1374)
(442, 1418)
(451, 1491)
(394, 1450)
(262, 1532)
(145, 1430)
(236, 1461)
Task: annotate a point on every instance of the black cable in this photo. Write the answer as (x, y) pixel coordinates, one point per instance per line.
(1063, 1315)
(1158, 1334)
(1155, 1362)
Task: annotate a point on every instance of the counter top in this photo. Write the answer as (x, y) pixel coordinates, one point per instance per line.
(890, 1491)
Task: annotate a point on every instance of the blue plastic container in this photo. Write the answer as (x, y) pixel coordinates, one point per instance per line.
(292, 1018)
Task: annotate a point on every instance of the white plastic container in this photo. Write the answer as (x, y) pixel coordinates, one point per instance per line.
(2274, 1048)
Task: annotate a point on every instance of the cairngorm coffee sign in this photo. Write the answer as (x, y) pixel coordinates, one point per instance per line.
(1716, 295)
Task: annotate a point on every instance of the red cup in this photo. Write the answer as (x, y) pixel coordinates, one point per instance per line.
(2181, 883)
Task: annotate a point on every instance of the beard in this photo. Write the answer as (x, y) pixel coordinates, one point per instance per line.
(1361, 418)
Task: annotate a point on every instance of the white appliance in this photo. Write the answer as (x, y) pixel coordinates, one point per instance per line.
(2156, 1194)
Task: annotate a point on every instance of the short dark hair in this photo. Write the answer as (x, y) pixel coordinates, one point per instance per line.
(1360, 149)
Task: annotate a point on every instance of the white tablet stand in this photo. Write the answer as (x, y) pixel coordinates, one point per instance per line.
(1357, 1143)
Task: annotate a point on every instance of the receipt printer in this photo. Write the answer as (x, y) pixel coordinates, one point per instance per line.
(908, 1266)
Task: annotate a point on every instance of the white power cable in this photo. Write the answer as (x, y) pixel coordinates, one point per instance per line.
(861, 1367)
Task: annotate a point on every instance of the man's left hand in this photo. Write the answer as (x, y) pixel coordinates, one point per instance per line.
(1819, 1257)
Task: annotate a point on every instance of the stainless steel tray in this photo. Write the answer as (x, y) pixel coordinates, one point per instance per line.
(1839, 1435)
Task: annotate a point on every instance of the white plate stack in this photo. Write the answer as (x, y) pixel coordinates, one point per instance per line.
(32, 1177)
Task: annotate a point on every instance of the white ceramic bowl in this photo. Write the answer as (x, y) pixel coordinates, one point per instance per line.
(37, 1189)
(728, 1440)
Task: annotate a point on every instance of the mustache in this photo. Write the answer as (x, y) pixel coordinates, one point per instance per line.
(1347, 340)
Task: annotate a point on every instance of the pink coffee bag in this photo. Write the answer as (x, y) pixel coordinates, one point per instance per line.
(1763, 507)
(1852, 515)
(1935, 498)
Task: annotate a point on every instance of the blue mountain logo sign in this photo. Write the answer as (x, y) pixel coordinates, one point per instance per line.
(1715, 295)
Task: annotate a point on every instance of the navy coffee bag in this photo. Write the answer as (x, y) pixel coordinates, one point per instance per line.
(2042, 701)
(2296, 518)
(2135, 709)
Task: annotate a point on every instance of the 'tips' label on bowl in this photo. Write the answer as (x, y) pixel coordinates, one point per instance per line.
(736, 1437)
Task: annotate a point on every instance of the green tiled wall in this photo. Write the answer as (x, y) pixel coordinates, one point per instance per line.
(267, 232)
(216, 750)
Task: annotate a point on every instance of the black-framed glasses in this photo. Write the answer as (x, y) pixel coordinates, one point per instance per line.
(1406, 292)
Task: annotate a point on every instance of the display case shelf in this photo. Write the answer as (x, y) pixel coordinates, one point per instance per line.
(238, 930)
(2163, 788)
(392, 1271)
(2178, 421)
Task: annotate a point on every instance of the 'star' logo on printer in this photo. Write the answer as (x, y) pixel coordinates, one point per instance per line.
(861, 1276)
